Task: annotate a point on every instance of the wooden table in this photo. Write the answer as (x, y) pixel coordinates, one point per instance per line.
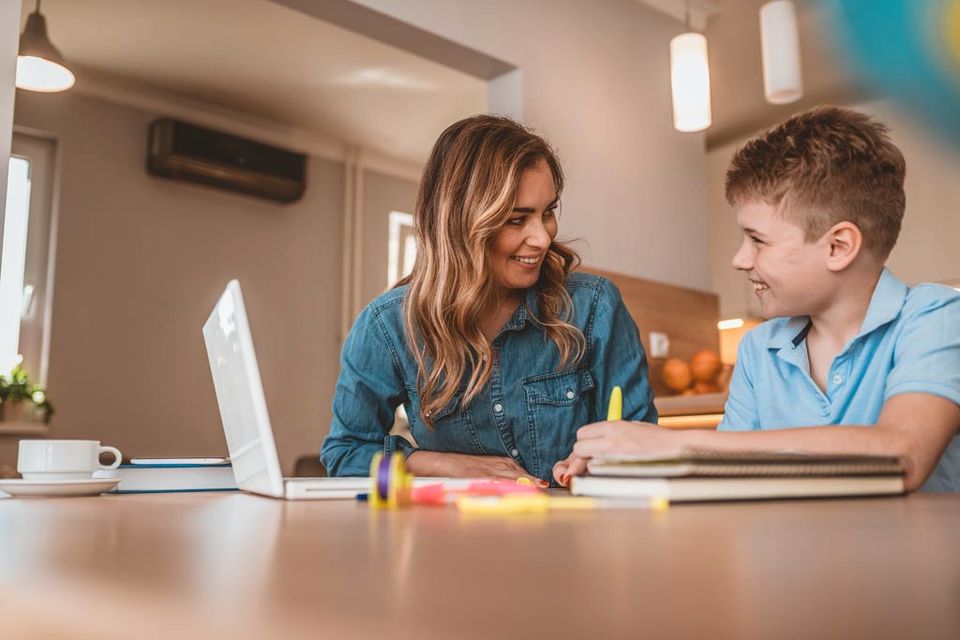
(233, 566)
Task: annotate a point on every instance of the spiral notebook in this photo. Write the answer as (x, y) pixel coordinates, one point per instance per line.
(709, 475)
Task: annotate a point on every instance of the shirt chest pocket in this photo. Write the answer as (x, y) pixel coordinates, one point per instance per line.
(563, 389)
(452, 430)
(557, 405)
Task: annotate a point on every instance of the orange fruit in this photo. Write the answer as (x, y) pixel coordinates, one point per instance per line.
(706, 366)
(676, 374)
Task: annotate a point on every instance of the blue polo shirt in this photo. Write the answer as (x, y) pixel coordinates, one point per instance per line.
(909, 343)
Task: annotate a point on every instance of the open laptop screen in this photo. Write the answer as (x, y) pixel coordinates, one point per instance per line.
(243, 408)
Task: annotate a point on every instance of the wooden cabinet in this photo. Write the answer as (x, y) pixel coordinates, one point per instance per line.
(691, 412)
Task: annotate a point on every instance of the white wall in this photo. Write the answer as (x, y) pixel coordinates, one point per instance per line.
(596, 83)
(927, 250)
(9, 38)
(736, 297)
(140, 263)
(382, 194)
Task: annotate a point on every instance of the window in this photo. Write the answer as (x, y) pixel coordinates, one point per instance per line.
(26, 269)
(401, 247)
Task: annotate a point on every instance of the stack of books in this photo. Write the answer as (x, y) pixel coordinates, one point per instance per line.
(166, 475)
(693, 475)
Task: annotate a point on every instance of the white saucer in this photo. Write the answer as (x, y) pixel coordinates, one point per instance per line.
(25, 488)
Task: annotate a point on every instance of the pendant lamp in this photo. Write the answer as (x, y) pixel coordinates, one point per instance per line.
(780, 47)
(690, 80)
(40, 66)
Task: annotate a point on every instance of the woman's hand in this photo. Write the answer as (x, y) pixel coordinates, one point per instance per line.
(567, 468)
(626, 438)
(462, 465)
(616, 437)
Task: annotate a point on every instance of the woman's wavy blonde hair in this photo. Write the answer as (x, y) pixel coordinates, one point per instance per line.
(466, 195)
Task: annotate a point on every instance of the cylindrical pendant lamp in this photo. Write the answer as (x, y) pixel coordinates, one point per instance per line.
(780, 46)
(690, 81)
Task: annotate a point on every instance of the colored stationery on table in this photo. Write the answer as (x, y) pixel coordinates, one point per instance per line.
(708, 475)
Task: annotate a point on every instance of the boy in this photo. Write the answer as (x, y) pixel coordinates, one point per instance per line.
(853, 361)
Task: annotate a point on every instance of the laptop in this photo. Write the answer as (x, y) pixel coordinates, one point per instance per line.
(243, 411)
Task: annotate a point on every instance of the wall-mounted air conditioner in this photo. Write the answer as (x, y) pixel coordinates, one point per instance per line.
(184, 151)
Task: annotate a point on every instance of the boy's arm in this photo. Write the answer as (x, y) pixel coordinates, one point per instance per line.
(914, 426)
(740, 410)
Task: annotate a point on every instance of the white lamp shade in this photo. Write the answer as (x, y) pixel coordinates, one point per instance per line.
(39, 74)
(780, 46)
(690, 81)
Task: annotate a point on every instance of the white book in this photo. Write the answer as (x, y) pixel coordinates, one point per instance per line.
(708, 475)
(171, 477)
(746, 488)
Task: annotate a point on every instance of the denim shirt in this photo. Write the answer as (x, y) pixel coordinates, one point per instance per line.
(529, 410)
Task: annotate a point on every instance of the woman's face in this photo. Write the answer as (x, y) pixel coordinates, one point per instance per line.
(520, 245)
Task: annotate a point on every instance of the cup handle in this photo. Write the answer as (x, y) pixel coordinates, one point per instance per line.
(117, 456)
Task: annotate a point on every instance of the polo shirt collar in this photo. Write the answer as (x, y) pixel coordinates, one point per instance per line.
(790, 334)
(885, 304)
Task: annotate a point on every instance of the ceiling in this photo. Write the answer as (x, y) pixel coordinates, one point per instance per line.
(267, 60)
(270, 61)
(736, 72)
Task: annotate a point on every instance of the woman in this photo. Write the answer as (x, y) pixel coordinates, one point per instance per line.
(497, 351)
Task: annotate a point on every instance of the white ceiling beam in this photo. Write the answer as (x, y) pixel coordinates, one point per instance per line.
(700, 10)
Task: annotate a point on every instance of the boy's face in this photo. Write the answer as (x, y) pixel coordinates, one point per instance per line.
(789, 275)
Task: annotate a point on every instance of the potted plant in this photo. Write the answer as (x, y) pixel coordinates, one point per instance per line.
(22, 401)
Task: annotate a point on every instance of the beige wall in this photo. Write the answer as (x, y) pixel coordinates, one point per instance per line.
(140, 263)
(927, 250)
(381, 195)
(596, 82)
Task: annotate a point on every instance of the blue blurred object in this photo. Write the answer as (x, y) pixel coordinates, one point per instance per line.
(909, 49)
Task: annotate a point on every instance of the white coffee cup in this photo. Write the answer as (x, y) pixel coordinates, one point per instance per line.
(62, 459)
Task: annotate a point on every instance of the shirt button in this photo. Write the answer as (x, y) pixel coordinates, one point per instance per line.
(514, 453)
(570, 394)
(837, 379)
(498, 407)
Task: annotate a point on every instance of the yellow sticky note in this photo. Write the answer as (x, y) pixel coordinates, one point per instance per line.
(503, 506)
(659, 504)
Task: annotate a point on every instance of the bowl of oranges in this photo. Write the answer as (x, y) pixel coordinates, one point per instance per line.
(704, 373)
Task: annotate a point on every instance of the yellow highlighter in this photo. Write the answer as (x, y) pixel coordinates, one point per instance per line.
(615, 410)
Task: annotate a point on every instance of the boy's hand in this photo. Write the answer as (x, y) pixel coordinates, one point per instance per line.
(625, 438)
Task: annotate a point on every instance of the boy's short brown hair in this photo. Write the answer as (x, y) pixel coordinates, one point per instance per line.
(825, 166)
